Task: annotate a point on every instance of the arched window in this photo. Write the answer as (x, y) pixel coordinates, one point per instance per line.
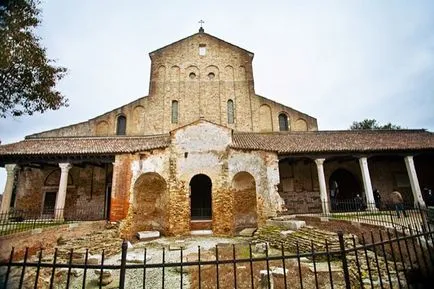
(174, 111)
(230, 111)
(283, 122)
(121, 126)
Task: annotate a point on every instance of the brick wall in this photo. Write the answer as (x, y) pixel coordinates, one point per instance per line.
(202, 85)
(85, 196)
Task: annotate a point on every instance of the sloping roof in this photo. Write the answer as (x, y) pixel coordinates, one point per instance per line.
(335, 141)
(84, 145)
(193, 35)
(280, 142)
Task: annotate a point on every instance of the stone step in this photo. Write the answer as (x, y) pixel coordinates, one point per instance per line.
(201, 232)
(304, 237)
(146, 235)
(201, 225)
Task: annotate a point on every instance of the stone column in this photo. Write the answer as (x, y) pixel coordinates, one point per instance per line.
(9, 187)
(61, 194)
(322, 186)
(414, 182)
(370, 201)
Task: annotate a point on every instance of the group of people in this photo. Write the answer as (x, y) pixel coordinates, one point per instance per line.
(395, 197)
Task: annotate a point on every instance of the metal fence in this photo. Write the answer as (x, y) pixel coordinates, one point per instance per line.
(19, 220)
(406, 216)
(382, 260)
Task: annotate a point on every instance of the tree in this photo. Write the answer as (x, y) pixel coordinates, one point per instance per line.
(27, 76)
(372, 124)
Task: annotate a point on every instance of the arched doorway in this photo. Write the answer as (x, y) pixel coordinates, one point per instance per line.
(244, 188)
(343, 187)
(200, 197)
(149, 204)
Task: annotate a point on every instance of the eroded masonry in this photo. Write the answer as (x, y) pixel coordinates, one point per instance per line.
(203, 151)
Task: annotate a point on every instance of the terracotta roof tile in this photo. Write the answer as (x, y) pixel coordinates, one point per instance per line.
(84, 145)
(335, 141)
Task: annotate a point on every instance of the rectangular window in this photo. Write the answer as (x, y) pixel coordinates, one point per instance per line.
(174, 111)
(202, 49)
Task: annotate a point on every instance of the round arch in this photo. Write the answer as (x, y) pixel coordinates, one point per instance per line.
(283, 121)
(244, 189)
(201, 197)
(149, 203)
(343, 185)
(53, 178)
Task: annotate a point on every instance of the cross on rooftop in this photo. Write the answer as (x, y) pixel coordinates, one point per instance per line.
(201, 22)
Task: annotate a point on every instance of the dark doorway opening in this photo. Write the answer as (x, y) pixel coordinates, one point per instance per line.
(49, 203)
(344, 188)
(200, 197)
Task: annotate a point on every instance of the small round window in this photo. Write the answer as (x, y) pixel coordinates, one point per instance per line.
(192, 75)
(211, 75)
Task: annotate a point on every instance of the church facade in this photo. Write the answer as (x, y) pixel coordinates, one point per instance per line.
(203, 150)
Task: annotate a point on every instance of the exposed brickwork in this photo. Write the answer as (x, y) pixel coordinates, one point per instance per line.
(151, 174)
(86, 191)
(121, 186)
(223, 73)
(299, 180)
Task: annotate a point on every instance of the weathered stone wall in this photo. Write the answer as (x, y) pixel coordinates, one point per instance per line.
(145, 206)
(121, 186)
(388, 174)
(299, 186)
(263, 166)
(202, 85)
(201, 149)
(266, 112)
(85, 195)
(244, 191)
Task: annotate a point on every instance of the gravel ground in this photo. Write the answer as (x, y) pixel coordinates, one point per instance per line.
(154, 255)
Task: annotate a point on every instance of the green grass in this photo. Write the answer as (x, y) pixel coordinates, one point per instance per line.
(15, 227)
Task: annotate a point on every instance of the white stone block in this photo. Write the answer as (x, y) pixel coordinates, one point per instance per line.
(260, 248)
(144, 235)
(287, 224)
(247, 232)
(286, 233)
(279, 272)
(201, 232)
(265, 279)
(36, 231)
(105, 273)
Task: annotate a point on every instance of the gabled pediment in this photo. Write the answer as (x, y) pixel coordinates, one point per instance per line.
(201, 36)
(201, 135)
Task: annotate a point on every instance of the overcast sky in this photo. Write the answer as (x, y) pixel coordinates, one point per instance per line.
(338, 61)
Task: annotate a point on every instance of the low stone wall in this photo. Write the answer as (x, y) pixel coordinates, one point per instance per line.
(45, 238)
(302, 202)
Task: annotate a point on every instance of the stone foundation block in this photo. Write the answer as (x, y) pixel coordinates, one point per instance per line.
(287, 224)
(145, 235)
(284, 234)
(247, 232)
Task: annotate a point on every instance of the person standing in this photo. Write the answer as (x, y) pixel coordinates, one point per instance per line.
(398, 202)
(377, 198)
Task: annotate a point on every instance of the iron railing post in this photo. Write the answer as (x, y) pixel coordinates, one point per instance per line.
(344, 260)
(123, 265)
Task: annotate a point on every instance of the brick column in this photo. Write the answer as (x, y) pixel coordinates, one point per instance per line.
(414, 182)
(9, 187)
(61, 194)
(322, 186)
(370, 201)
